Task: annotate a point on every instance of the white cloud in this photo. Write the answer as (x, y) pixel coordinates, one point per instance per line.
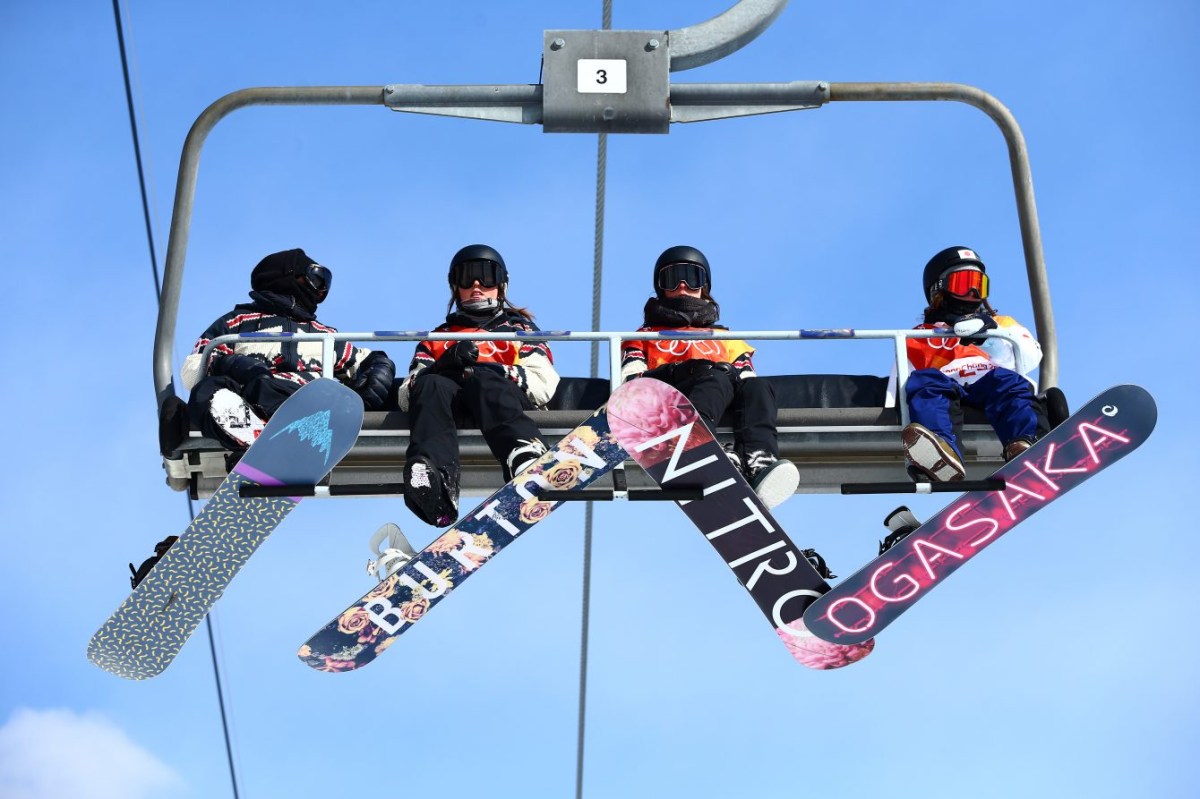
(60, 754)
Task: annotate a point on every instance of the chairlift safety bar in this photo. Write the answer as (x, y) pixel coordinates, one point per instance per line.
(614, 341)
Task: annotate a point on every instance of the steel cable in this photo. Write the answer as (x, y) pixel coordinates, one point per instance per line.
(137, 152)
(597, 282)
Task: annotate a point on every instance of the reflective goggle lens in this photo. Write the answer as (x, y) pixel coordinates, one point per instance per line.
(965, 282)
(319, 277)
(694, 276)
(488, 273)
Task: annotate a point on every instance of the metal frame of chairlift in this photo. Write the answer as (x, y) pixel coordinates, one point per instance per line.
(830, 445)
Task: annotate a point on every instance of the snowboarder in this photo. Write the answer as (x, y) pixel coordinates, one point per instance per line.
(242, 384)
(490, 384)
(968, 369)
(716, 375)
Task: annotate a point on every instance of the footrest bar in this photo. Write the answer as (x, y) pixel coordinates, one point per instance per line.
(924, 488)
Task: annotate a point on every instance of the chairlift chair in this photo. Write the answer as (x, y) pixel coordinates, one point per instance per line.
(837, 429)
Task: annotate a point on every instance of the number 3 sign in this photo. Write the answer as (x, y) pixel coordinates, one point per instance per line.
(601, 76)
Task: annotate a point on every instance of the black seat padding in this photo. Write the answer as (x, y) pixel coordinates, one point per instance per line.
(575, 397)
(791, 391)
(579, 394)
(828, 391)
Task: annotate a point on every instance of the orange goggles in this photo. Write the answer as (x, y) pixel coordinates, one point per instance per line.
(965, 282)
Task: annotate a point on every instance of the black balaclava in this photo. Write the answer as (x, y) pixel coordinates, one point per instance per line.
(291, 275)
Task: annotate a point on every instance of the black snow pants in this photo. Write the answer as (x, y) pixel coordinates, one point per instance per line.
(714, 388)
(438, 405)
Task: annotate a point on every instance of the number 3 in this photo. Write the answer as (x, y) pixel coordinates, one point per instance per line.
(601, 76)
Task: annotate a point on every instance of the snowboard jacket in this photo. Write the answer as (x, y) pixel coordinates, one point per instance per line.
(966, 363)
(296, 361)
(641, 356)
(529, 364)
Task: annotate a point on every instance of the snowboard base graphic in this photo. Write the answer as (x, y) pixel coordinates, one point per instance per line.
(662, 431)
(372, 624)
(1102, 432)
(303, 441)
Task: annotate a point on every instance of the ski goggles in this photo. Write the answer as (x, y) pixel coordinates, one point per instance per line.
(489, 274)
(964, 282)
(319, 277)
(694, 276)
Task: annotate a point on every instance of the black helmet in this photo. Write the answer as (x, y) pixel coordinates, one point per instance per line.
(946, 261)
(682, 263)
(477, 262)
(293, 274)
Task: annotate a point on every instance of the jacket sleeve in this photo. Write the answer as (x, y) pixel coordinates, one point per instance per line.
(194, 368)
(1024, 352)
(1028, 353)
(349, 360)
(633, 359)
(534, 373)
(192, 371)
(422, 360)
(743, 366)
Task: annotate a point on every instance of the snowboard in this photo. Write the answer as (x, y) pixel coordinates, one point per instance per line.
(309, 433)
(1101, 433)
(368, 627)
(663, 432)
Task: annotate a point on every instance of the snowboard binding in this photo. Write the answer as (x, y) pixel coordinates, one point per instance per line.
(818, 563)
(901, 522)
(392, 558)
(160, 549)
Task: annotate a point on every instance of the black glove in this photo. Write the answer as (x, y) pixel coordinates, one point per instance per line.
(373, 380)
(968, 327)
(458, 361)
(240, 368)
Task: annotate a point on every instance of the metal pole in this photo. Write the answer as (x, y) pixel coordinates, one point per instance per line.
(1018, 155)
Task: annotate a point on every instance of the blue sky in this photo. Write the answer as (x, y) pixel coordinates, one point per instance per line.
(1060, 663)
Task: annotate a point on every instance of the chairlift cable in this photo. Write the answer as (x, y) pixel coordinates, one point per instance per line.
(597, 282)
(137, 152)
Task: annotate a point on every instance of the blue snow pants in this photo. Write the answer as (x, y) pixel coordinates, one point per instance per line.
(1005, 397)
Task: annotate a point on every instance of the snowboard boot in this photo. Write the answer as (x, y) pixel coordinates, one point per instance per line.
(160, 549)
(773, 479)
(929, 455)
(235, 417)
(522, 457)
(431, 493)
(901, 523)
(392, 558)
(818, 563)
(1015, 447)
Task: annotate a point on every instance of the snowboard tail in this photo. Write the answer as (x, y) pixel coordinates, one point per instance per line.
(1102, 432)
(663, 432)
(308, 435)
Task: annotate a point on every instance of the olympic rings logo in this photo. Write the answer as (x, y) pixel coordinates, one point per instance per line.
(683, 346)
(942, 343)
(495, 349)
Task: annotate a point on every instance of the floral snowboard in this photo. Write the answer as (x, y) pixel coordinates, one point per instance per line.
(368, 627)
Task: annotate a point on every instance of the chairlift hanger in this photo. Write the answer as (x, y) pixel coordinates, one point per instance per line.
(619, 82)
